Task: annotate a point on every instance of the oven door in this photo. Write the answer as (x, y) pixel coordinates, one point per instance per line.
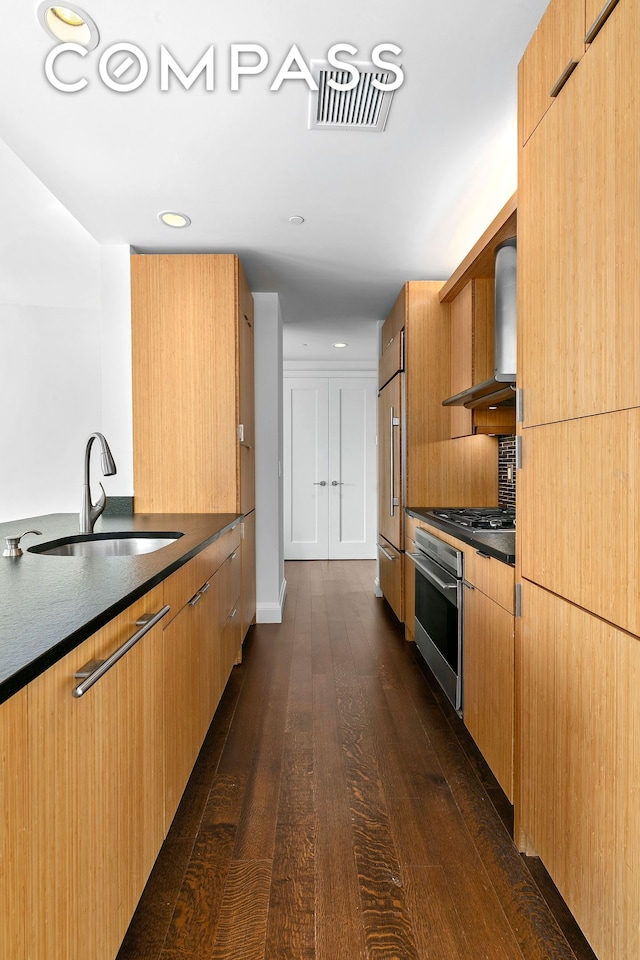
(438, 624)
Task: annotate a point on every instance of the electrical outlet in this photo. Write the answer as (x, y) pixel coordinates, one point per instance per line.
(510, 474)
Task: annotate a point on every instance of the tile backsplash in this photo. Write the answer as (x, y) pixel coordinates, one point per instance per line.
(506, 469)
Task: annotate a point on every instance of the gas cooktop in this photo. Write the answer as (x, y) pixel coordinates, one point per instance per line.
(478, 518)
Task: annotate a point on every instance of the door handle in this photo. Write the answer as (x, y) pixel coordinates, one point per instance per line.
(320, 483)
(393, 422)
(337, 483)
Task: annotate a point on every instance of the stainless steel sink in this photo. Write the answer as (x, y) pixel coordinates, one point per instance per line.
(106, 544)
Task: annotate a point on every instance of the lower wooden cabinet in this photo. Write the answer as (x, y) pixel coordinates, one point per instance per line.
(95, 799)
(14, 793)
(578, 798)
(89, 785)
(488, 664)
(391, 576)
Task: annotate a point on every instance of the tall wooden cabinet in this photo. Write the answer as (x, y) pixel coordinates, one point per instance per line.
(578, 488)
(429, 468)
(193, 390)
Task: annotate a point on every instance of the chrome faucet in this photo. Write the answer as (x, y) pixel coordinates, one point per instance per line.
(89, 512)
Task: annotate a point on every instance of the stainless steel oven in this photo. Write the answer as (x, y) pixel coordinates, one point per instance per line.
(439, 613)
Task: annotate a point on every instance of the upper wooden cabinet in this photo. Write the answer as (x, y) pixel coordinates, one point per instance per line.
(193, 422)
(553, 53)
(578, 247)
(392, 341)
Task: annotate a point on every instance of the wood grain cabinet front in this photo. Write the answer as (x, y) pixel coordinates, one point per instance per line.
(95, 802)
(579, 747)
(578, 242)
(391, 576)
(14, 799)
(192, 359)
(472, 359)
(489, 658)
(551, 57)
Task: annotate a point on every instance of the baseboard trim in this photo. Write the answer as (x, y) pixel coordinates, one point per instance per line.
(272, 612)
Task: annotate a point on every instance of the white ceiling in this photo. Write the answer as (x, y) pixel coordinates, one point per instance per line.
(379, 209)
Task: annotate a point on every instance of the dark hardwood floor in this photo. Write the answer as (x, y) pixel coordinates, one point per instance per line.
(339, 810)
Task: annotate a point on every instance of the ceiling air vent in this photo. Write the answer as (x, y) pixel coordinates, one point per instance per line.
(365, 107)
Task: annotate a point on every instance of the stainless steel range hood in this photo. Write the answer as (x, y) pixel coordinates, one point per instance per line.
(500, 389)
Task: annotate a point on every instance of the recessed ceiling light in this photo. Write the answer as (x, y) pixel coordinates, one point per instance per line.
(296, 221)
(68, 25)
(340, 345)
(173, 219)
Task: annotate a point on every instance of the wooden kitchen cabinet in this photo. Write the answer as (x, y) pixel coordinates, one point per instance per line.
(578, 245)
(472, 359)
(429, 469)
(14, 798)
(196, 662)
(489, 671)
(557, 44)
(392, 342)
(391, 574)
(95, 800)
(575, 510)
(192, 352)
(578, 806)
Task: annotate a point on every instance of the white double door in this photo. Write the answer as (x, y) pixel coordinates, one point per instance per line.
(330, 468)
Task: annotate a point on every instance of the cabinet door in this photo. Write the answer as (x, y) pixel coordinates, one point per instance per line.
(578, 508)
(557, 42)
(184, 310)
(96, 792)
(578, 247)
(390, 506)
(579, 747)
(14, 796)
(391, 342)
(489, 681)
(189, 670)
(248, 550)
(391, 576)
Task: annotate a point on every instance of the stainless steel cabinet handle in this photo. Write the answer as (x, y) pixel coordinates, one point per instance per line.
(599, 20)
(203, 589)
(486, 556)
(233, 555)
(196, 598)
(320, 483)
(393, 422)
(562, 79)
(233, 613)
(98, 668)
(469, 586)
(337, 483)
(388, 555)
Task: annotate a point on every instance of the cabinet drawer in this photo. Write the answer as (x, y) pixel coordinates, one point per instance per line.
(391, 576)
(179, 588)
(492, 577)
(213, 556)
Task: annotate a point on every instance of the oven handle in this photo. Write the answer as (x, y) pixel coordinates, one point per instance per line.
(430, 575)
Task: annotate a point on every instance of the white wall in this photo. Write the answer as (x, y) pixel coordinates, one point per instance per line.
(49, 344)
(270, 582)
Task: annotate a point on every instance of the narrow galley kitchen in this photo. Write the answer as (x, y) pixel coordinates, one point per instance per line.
(339, 810)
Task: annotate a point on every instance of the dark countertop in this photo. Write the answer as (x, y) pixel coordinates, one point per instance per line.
(51, 604)
(500, 544)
